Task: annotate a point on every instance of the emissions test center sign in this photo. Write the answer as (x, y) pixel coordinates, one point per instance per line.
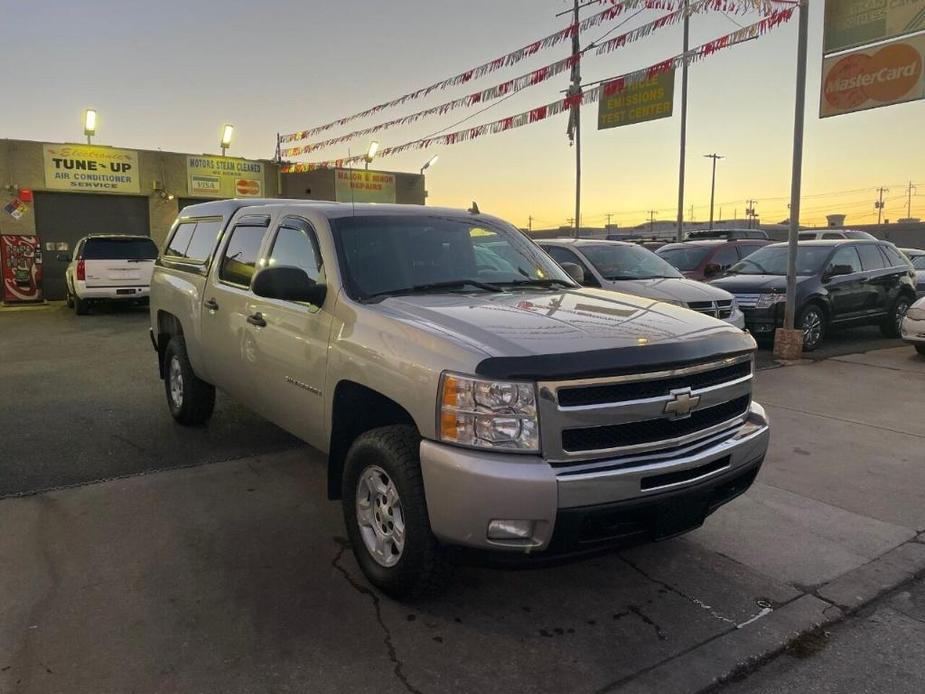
(90, 168)
(851, 23)
(867, 78)
(363, 186)
(224, 177)
(650, 99)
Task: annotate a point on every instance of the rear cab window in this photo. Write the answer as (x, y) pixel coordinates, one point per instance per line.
(194, 240)
(116, 248)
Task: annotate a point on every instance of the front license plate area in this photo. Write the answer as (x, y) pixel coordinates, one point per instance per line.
(678, 515)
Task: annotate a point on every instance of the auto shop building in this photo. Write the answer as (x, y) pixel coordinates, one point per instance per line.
(52, 194)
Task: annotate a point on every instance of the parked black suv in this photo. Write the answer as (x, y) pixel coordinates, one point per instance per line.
(843, 282)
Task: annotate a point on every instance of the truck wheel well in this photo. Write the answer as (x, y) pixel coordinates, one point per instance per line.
(168, 327)
(357, 409)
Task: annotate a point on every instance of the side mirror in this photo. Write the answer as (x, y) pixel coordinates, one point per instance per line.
(712, 269)
(835, 270)
(64, 258)
(575, 271)
(289, 284)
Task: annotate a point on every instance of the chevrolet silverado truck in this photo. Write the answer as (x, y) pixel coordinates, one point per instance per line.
(470, 396)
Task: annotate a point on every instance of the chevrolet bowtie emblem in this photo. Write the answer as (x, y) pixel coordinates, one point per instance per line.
(682, 403)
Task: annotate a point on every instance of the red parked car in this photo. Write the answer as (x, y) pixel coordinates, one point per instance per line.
(709, 258)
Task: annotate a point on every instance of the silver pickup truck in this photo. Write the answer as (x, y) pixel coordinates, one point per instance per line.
(473, 401)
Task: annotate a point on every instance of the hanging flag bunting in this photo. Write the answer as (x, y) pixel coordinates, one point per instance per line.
(532, 78)
(511, 58)
(535, 115)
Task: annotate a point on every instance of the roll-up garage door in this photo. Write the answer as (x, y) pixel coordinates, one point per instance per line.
(63, 218)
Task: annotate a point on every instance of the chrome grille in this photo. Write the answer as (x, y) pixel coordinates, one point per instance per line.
(717, 309)
(747, 300)
(644, 413)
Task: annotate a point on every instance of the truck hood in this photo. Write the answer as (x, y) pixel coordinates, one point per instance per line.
(669, 289)
(754, 284)
(558, 333)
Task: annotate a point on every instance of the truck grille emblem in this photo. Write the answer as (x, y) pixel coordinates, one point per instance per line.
(682, 403)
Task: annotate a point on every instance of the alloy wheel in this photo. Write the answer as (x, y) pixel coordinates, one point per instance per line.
(812, 327)
(380, 517)
(901, 307)
(175, 380)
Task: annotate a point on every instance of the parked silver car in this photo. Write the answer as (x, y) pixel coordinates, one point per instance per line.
(632, 269)
(913, 326)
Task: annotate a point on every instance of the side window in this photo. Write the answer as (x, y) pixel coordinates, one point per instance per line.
(832, 235)
(564, 255)
(894, 257)
(203, 241)
(240, 260)
(746, 249)
(180, 240)
(871, 259)
(847, 255)
(295, 246)
(726, 256)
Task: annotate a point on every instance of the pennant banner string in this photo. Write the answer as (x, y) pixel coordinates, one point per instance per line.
(511, 58)
(608, 88)
(529, 79)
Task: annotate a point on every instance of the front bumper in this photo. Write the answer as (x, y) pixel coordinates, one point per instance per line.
(913, 331)
(764, 321)
(467, 489)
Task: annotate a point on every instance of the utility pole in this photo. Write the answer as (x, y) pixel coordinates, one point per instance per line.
(652, 221)
(574, 129)
(691, 218)
(681, 164)
(909, 191)
(750, 212)
(714, 157)
(790, 342)
(609, 215)
(530, 223)
(879, 204)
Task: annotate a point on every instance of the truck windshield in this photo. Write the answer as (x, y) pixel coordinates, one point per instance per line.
(119, 249)
(381, 255)
(772, 260)
(628, 262)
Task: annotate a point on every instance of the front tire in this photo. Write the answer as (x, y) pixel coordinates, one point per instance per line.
(385, 512)
(920, 349)
(812, 322)
(189, 398)
(892, 324)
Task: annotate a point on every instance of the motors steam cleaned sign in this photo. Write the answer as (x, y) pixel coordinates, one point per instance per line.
(850, 23)
(872, 77)
(224, 177)
(90, 168)
(647, 100)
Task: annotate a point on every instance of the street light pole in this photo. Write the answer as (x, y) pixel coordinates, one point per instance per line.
(714, 157)
(790, 344)
(681, 165)
(575, 122)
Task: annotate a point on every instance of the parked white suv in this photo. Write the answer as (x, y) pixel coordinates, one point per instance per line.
(109, 267)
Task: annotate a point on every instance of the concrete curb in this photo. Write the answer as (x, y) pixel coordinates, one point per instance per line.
(715, 662)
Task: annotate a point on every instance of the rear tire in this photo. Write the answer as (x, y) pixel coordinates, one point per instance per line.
(920, 349)
(385, 512)
(189, 398)
(891, 325)
(81, 306)
(68, 298)
(812, 322)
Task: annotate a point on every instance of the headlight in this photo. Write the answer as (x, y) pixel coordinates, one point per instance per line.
(734, 306)
(488, 414)
(915, 313)
(769, 300)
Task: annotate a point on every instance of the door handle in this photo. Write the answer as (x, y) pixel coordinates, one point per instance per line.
(864, 280)
(257, 319)
(211, 304)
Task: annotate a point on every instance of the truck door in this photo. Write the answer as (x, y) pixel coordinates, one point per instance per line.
(227, 337)
(291, 347)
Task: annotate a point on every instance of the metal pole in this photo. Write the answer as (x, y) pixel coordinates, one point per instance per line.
(681, 164)
(881, 190)
(576, 114)
(796, 180)
(714, 157)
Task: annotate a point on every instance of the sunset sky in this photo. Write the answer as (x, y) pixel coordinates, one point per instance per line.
(167, 75)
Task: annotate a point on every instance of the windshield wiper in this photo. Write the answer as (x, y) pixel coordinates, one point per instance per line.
(549, 282)
(436, 286)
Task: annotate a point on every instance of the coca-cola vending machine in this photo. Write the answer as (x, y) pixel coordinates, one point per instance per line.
(21, 257)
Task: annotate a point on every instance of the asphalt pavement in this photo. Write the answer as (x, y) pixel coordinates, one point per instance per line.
(235, 576)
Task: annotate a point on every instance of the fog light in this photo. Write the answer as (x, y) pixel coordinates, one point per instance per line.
(510, 530)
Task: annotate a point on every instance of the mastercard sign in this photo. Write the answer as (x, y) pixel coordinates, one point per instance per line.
(888, 74)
